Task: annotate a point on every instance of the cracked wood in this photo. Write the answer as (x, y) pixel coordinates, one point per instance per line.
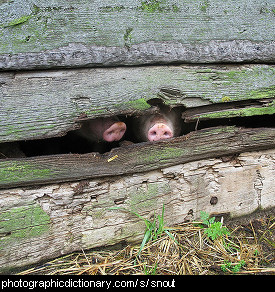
(44, 222)
(44, 104)
(56, 34)
(136, 158)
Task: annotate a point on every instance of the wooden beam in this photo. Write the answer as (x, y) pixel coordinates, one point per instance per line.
(136, 158)
(56, 34)
(40, 223)
(44, 104)
(231, 110)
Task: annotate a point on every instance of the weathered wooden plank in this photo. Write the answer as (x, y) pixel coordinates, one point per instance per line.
(45, 222)
(231, 110)
(47, 34)
(134, 158)
(44, 104)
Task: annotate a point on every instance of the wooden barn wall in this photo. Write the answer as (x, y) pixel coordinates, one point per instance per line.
(52, 220)
(134, 159)
(53, 33)
(61, 61)
(44, 104)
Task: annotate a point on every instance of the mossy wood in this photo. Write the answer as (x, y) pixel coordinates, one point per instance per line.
(44, 222)
(44, 104)
(47, 34)
(136, 158)
(53, 205)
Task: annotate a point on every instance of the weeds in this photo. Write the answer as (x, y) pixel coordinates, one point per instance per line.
(230, 267)
(214, 229)
(150, 271)
(204, 247)
(153, 230)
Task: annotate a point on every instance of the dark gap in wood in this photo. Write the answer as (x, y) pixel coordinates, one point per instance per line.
(188, 114)
(267, 121)
(218, 142)
(72, 143)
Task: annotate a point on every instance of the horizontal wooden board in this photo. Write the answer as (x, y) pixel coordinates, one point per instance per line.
(136, 158)
(231, 110)
(44, 104)
(39, 223)
(55, 33)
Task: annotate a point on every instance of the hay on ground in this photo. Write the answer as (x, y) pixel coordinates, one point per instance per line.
(248, 249)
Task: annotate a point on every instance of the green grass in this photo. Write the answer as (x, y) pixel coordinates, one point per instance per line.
(154, 229)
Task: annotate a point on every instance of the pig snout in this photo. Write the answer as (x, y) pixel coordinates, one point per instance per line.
(115, 132)
(158, 132)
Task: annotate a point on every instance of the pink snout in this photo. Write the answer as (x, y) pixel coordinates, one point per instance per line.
(158, 132)
(115, 132)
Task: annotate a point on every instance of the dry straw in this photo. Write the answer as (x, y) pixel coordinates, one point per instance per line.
(246, 249)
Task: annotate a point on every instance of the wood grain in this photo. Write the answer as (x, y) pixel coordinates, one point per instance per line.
(44, 222)
(44, 104)
(56, 34)
(136, 158)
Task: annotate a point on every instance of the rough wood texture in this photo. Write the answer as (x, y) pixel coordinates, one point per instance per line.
(137, 158)
(46, 34)
(43, 104)
(42, 222)
(49, 221)
(231, 110)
